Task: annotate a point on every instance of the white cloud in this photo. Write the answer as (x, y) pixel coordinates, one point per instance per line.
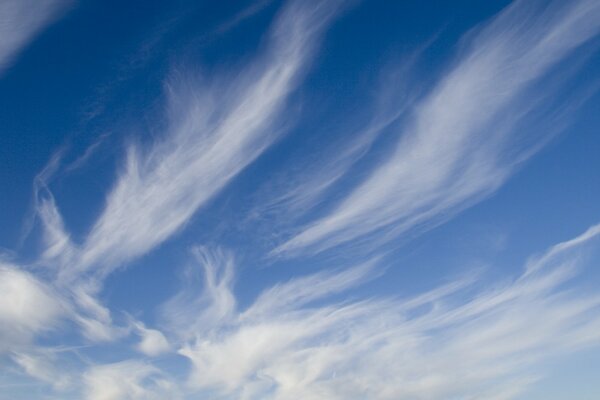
(20, 21)
(153, 343)
(41, 365)
(213, 134)
(455, 341)
(197, 308)
(460, 340)
(27, 307)
(464, 140)
(127, 380)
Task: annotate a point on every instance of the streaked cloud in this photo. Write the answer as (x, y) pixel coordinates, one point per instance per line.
(460, 340)
(322, 327)
(41, 365)
(213, 134)
(20, 21)
(210, 137)
(467, 135)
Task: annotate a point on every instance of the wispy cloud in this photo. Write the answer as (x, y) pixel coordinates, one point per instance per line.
(460, 340)
(130, 379)
(213, 133)
(41, 365)
(20, 21)
(324, 335)
(466, 137)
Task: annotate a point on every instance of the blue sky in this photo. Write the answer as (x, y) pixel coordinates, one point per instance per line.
(318, 199)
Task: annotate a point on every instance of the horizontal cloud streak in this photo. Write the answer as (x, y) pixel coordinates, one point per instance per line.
(463, 142)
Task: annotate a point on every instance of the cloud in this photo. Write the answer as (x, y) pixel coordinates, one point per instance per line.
(467, 135)
(20, 21)
(27, 307)
(129, 380)
(199, 307)
(460, 340)
(212, 135)
(153, 343)
(213, 132)
(319, 335)
(41, 365)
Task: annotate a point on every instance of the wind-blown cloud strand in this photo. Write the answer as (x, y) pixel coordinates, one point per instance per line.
(209, 140)
(20, 21)
(463, 142)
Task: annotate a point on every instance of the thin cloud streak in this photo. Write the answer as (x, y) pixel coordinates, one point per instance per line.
(463, 142)
(20, 21)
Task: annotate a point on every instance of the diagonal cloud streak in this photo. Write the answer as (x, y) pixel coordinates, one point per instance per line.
(20, 21)
(210, 139)
(464, 140)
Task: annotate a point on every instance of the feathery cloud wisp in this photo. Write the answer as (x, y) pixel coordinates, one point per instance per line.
(464, 140)
(20, 20)
(208, 142)
(130, 379)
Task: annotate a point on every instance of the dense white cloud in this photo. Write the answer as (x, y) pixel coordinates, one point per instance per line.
(20, 20)
(27, 307)
(153, 342)
(464, 140)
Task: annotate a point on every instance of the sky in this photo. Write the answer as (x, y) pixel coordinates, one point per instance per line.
(299, 199)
